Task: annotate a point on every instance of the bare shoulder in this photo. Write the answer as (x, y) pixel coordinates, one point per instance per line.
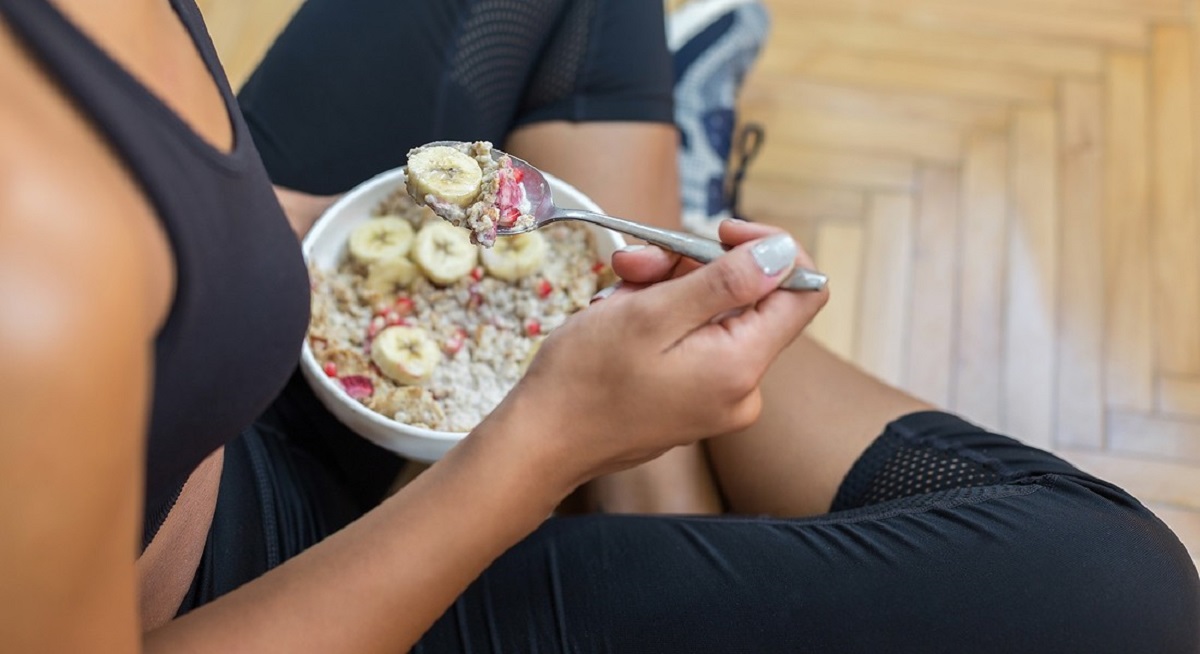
(71, 219)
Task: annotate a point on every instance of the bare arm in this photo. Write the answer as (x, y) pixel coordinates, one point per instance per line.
(302, 209)
(73, 396)
(76, 335)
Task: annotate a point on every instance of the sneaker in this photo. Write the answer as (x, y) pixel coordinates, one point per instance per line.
(713, 44)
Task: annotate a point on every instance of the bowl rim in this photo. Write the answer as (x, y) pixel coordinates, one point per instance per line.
(308, 360)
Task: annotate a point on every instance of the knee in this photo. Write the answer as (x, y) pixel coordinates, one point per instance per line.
(1133, 579)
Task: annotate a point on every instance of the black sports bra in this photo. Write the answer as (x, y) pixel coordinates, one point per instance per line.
(234, 332)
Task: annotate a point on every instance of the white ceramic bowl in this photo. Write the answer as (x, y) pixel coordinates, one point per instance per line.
(325, 246)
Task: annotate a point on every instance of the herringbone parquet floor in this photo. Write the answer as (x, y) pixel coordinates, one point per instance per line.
(1005, 195)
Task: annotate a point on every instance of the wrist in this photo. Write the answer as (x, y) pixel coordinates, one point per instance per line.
(522, 440)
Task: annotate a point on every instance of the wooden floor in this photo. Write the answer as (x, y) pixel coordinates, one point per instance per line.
(1004, 194)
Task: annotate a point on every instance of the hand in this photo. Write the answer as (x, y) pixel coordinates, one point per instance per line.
(675, 356)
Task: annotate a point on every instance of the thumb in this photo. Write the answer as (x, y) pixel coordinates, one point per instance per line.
(739, 278)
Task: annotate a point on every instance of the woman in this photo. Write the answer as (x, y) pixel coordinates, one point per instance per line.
(151, 303)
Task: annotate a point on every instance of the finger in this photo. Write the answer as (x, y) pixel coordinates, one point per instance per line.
(619, 289)
(739, 278)
(644, 264)
(776, 321)
(736, 232)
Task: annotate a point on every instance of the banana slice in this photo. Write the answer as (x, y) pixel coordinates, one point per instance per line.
(406, 354)
(514, 257)
(389, 276)
(450, 176)
(378, 239)
(444, 252)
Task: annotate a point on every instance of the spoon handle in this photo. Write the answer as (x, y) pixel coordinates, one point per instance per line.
(689, 245)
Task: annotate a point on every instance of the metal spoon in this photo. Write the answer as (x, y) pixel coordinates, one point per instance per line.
(544, 212)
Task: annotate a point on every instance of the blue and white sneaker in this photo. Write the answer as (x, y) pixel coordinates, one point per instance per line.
(713, 43)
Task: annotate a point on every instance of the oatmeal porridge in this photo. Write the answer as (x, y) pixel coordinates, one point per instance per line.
(467, 185)
(422, 326)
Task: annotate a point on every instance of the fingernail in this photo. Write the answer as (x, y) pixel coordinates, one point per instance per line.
(605, 292)
(632, 248)
(774, 254)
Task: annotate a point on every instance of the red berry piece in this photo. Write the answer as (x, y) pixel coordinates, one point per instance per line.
(599, 267)
(330, 369)
(518, 175)
(358, 387)
(544, 289)
(509, 216)
(477, 273)
(376, 326)
(533, 328)
(404, 306)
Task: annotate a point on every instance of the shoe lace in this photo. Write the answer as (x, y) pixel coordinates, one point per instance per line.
(747, 143)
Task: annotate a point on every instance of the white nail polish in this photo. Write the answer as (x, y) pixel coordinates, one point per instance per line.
(774, 254)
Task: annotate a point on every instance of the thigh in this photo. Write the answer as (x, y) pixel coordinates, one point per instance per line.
(350, 86)
(1041, 558)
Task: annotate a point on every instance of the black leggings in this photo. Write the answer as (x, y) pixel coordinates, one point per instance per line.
(943, 537)
(351, 85)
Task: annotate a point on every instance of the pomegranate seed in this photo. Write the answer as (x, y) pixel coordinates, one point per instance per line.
(533, 328)
(599, 267)
(358, 387)
(544, 289)
(404, 305)
(330, 369)
(477, 273)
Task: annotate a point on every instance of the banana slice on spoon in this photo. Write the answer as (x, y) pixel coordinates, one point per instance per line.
(465, 184)
(443, 175)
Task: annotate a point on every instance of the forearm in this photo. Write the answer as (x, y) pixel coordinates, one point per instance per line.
(381, 582)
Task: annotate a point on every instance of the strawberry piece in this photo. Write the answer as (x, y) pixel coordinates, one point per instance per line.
(508, 216)
(477, 273)
(518, 175)
(508, 191)
(376, 326)
(475, 297)
(404, 306)
(544, 289)
(358, 387)
(533, 328)
(330, 369)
